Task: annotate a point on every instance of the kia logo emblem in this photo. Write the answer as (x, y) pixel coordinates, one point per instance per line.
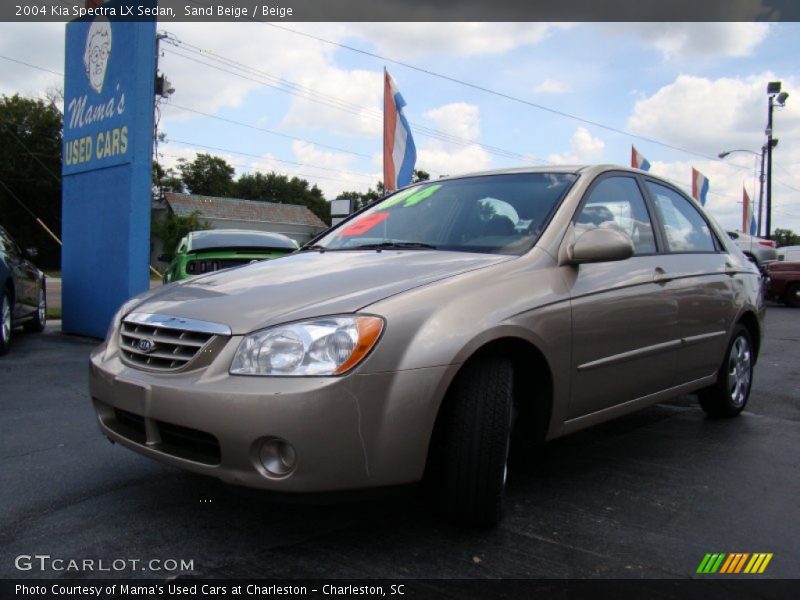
(146, 345)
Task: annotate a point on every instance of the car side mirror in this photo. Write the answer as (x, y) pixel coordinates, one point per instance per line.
(165, 258)
(600, 245)
(31, 252)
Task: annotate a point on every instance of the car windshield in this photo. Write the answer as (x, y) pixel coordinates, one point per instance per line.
(496, 214)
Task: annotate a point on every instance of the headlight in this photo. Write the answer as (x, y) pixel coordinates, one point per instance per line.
(325, 346)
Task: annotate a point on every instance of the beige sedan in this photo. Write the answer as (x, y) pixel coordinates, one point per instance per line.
(425, 335)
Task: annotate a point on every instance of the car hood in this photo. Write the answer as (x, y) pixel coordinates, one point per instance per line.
(305, 285)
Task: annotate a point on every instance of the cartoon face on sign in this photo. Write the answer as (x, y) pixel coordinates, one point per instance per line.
(98, 49)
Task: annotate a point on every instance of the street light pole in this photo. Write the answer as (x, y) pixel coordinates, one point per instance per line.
(768, 231)
(761, 191)
(760, 180)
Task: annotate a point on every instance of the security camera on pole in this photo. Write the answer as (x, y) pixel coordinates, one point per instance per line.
(775, 97)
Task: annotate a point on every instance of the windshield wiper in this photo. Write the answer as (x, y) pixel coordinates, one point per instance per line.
(318, 247)
(394, 245)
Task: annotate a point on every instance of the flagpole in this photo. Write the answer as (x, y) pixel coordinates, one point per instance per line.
(383, 83)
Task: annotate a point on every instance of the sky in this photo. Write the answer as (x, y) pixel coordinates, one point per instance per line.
(281, 99)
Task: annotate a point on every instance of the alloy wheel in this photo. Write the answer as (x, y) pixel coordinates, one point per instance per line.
(739, 371)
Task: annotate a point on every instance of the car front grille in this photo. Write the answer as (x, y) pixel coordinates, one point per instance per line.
(164, 343)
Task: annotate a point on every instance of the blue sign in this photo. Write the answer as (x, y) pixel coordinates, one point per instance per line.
(107, 162)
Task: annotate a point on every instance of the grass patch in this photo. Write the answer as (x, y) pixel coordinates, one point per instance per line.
(53, 313)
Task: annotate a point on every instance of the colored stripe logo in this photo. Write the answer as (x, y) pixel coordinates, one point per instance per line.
(735, 562)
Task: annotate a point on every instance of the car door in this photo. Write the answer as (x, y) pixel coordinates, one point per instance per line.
(623, 312)
(24, 281)
(706, 280)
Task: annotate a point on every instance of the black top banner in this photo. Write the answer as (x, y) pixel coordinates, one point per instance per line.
(407, 10)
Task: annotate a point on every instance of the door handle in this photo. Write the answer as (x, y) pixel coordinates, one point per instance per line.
(730, 269)
(661, 276)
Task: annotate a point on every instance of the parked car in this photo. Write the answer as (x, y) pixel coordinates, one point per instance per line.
(758, 250)
(789, 253)
(207, 251)
(428, 333)
(22, 291)
(784, 282)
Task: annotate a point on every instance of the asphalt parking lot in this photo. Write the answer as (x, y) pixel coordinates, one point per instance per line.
(644, 496)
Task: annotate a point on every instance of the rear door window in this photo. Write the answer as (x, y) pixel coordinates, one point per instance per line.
(685, 228)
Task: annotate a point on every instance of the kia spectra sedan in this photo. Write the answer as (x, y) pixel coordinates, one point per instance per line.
(424, 336)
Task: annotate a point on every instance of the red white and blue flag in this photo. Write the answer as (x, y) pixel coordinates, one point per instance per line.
(748, 217)
(399, 152)
(699, 186)
(638, 161)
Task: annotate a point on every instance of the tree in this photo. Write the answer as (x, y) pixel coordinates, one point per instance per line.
(166, 180)
(207, 175)
(173, 227)
(273, 187)
(785, 237)
(30, 172)
(420, 175)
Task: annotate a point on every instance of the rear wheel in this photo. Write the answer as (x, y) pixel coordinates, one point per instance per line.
(791, 296)
(729, 395)
(39, 320)
(5, 322)
(474, 443)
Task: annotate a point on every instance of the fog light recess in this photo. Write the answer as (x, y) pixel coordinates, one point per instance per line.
(278, 458)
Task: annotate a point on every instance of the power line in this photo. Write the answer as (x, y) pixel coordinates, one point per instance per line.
(294, 89)
(277, 133)
(36, 158)
(22, 62)
(261, 157)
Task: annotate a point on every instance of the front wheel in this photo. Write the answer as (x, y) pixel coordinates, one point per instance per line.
(792, 295)
(475, 439)
(729, 395)
(5, 322)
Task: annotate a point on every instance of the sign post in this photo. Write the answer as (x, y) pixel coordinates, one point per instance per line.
(107, 163)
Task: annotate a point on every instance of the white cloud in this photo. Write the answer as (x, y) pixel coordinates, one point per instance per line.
(710, 116)
(415, 40)
(583, 148)
(551, 86)
(458, 119)
(693, 40)
(359, 92)
(330, 171)
(438, 160)
(38, 44)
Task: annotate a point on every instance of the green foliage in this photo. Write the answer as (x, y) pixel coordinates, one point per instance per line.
(166, 180)
(173, 227)
(30, 165)
(420, 175)
(207, 175)
(785, 237)
(273, 187)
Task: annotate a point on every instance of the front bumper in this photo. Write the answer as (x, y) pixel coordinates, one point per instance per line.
(355, 431)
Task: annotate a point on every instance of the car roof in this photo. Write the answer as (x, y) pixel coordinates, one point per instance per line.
(566, 169)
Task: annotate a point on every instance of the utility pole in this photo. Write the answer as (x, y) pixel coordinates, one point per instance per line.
(775, 96)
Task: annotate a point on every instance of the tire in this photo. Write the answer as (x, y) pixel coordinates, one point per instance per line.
(474, 442)
(37, 323)
(729, 395)
(791, 297)
(6, 311)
